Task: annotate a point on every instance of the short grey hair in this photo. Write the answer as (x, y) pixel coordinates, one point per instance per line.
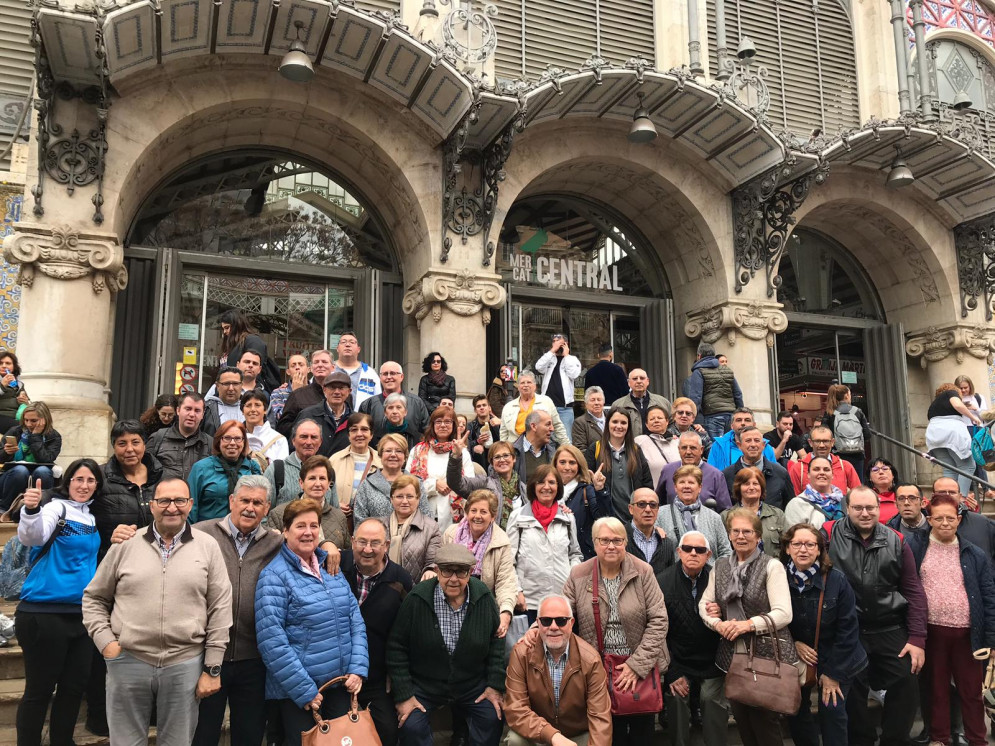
(708, 544)
(706, 349)
(396, 398)
(593, 390)
(690, 435)
(534, 416)
(297, 426)
(527, 374)
(254, 482)
(613, 524)
(322, 352)
(556, 597)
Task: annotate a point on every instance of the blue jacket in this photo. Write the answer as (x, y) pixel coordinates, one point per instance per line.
(308, 631)
(979, 582)
(841, 656)
(724, 452)
(209, 487)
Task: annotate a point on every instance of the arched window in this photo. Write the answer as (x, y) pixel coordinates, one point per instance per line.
(807, 48)
(955, 69)
(967, 15)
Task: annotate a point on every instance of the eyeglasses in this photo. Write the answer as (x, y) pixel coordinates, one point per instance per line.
(437, 360)
(385, 373)
(403, 498)
(943, 519)
(682, 413)
(688, 549)
(610, 541)
(561, 621)
(803, 545)
(741, 532)
(443, 422)
(908, 499)
(863, 508)
(948, 493)
(164, 502)
(395, 451)
(875, 469)
(375, 545)
(460, 572)
(229, 384)
(502, 457)
(87, 481)
(232, 439)
(646, 505)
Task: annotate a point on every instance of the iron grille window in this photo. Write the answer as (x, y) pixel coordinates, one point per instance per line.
(807, 47)
(534, 34)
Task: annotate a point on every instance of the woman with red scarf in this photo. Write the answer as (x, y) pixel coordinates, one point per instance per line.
(428, 461)
(544, 543)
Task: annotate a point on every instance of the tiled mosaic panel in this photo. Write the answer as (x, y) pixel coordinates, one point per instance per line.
(10, 291)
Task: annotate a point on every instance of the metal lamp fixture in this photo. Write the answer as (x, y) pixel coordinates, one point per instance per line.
(962, 101)
(296, 65)
(643, 130)
(746, 50)
(900, 175)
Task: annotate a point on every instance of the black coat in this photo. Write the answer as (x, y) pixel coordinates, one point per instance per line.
(432, 394)
(334, 436)
(379, 610)
(664, 556)
(124, 502)
(297, 402)
(779, 489)
(45, 447)
(610, 377)
(474, 429)
(588, 506)
(979, 530)
(692, 644)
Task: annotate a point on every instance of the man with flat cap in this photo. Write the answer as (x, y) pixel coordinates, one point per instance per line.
(333, 413)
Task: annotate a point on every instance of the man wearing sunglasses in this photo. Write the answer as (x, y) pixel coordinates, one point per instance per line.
(561, 681)
(171, 599)
(692, 647)
(646, 541)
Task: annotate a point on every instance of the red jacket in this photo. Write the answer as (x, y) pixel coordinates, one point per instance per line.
(844, 475)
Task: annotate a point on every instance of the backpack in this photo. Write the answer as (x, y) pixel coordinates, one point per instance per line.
(983, 448)
(849, 434)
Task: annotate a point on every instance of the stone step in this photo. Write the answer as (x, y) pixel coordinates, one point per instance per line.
(11, 662)
(10, 696)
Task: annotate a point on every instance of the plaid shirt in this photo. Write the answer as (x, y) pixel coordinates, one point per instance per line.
(450, 619)
(644, 545)
(365, 584)
(166, 551)
(242, 541)
(556, 672)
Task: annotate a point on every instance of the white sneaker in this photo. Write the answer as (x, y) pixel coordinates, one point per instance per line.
(878, 694)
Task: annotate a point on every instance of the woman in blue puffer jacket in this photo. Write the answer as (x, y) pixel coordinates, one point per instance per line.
(308, 627)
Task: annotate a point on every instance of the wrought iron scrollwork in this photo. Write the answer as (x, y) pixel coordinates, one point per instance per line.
(763, 213)
(975, 243)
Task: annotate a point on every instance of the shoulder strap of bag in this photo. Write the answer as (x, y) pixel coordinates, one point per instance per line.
(595, 588)
(268, 445)
(280, 473)
(597, 450)
(518, 551)
(47, 546)
(818, 616)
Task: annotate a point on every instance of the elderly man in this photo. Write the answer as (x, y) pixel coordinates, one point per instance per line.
(167, 595)
(333, 413)
(443, 651)
(752, 445)
(534, 447)
(559, 370)
(644, 539)
(247, 548)
(714, 390)
(713, 486)
(588, 427)
(725, 450)
(306, 396)
(561, 681)
(516, 410)
(285, 475)
(639, 400)
(364, 381)
(910, 521)
(380, 586)
(891, 609)
(182, 444)
(391, 380)
(844, 475)
(223, 406)
(692, 647)
(297, 371)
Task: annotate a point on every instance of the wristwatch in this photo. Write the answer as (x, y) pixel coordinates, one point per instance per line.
(214, 671)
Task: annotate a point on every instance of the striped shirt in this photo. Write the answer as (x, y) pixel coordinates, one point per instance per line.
(450, 619)
(164, 549)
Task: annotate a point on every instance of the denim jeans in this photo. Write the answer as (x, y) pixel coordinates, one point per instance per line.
(567, 418)
(485, 725)
(717, 425)
(831, 724)
(14, 480)
(947, 456)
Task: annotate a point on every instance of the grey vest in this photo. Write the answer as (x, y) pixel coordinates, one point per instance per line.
(716, 390)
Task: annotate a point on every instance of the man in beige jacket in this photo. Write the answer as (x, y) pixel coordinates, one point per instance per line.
(159, 609)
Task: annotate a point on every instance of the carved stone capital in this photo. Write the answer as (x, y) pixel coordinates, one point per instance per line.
(459, 291)
(940, 342)
(756, 320)
(66, 254)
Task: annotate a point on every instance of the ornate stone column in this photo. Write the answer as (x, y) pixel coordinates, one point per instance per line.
(451, 308)
(946, 352)
(69, 279)
(745, 331)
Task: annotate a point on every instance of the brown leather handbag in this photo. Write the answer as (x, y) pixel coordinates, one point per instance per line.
(355, 728)
(767, 683)
(811, 676)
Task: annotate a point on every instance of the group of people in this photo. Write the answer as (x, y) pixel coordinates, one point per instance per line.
(227, 558)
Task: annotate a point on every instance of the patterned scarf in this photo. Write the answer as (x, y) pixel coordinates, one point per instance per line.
(689, 513)
(802, 578)
(831, 504)
(509, 490)
(436, 377)
(465, 537)
(419, 461)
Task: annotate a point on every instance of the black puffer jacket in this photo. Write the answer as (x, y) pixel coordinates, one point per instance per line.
(45, 447)
(124, 502)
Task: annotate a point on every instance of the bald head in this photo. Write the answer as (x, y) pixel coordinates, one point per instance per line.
(639, 382)
(644, 506)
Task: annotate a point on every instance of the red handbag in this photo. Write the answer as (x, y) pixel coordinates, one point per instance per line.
(646, 697)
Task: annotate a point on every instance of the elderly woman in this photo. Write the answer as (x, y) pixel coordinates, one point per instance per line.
(212, 479)
(479, 533)
(29, 453)
(822, 602)
(749, 489)
(588, 427)
(429, 460)
(263, 439)
(686, 513)
(633, 619)
(659, 447)
(579, 495)
(820, 501)
(543, 538)
(960, 593)
(396, 422)
(947, 434)
(502, 479)
(372, 499)
(617, 464)
(316, 477)
(352, 465)
(414, 537)
(882, 477)
(308, 627)
(740, 589)
(49, 619)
